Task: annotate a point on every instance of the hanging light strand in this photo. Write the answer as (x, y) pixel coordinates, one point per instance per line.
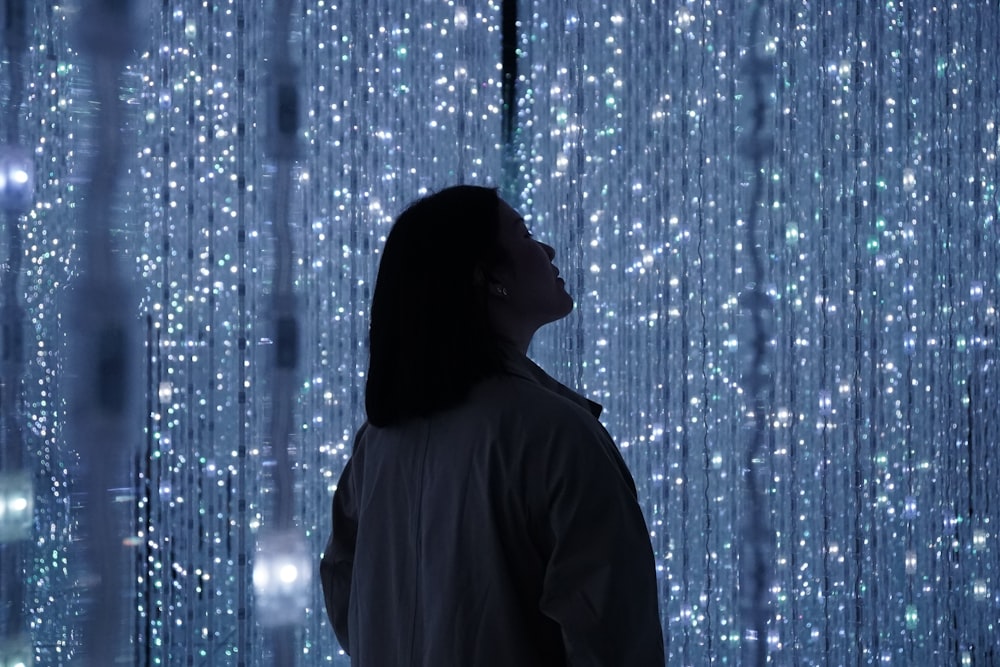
(282, 146)
(101, 354)
(283, 565)
(758, 381)
(16, 177)
(16, 487)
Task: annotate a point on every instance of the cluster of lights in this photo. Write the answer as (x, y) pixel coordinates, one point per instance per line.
(881, 244)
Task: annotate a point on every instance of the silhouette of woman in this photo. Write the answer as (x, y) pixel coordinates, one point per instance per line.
(485, 516)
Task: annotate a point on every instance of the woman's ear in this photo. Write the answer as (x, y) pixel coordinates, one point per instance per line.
(481, 278)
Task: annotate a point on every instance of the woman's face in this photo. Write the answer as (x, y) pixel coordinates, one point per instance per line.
(535, 294)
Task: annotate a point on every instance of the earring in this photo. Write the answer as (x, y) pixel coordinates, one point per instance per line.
(501, 290)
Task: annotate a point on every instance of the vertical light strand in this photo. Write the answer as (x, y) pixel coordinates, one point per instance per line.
(704, 337)
(785, 507)
(932, 271)
(758, 380)
(248, 23)
(863, 443)
(906, 318)
(282, 148)
(17, 487)
(680, 476)
(282, 565)
(103, 357)
(869, 457)
(817, 221)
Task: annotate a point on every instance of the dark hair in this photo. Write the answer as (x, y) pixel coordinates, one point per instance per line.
(430, 338)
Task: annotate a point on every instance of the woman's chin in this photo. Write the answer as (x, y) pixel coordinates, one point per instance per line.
(568, 306)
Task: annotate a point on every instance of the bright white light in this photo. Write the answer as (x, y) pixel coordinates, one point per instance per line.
(165, 392)
(684, 17)
(17, 189)
(281, 577)
(289, 573)
(18, 504)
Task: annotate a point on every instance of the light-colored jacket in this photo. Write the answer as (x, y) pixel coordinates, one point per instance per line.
(502, 532)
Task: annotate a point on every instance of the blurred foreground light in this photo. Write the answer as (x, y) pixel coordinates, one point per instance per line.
(17, 507)
(282, 577)
(16, 652)
(17, 179)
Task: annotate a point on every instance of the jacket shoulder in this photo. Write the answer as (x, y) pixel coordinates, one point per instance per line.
(516, 392)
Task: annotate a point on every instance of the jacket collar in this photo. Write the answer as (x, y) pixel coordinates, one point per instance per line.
(519, 365)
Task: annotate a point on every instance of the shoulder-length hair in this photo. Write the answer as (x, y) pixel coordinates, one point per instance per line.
(430, 339)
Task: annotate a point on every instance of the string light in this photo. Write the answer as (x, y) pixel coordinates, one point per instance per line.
(282, 569)
(282, 578)
(756, 534)
(17, 493)
(102, 355)
(17, 180)
(17, 503)
(879, 243)
(16, 652)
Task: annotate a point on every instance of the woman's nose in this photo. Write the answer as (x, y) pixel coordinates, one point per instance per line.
(549, 250)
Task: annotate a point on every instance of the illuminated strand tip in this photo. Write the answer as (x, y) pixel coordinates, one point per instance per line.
(16, 652)
(17, 506)
(17, 179)
(282, 577)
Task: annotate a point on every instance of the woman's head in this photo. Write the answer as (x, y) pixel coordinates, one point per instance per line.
(459, 277)
(527, 291)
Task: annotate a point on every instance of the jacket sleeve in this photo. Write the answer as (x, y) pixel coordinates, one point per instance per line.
(337, 565)
(600, 581)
